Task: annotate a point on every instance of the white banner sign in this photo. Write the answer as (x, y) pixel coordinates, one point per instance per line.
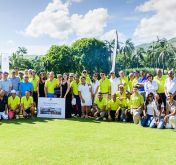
(51, 107)
(4, 62)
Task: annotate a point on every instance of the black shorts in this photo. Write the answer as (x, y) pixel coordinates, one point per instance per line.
(28, 111)
(112, 114)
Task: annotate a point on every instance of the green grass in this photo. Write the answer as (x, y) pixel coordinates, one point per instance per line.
(84, 142)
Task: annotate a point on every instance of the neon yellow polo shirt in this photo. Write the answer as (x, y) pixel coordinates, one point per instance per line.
(100, 104)
(113, 105)
(136, 100)
(135, 81)
(121, 95)
(34, 83)
(74, 85)
(130, 85)
(51, 85)
(27, 103)
(160, 82)
(124, 80)
(104, 85)
(13, 102)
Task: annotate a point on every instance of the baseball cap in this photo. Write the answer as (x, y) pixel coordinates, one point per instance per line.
(13, 91)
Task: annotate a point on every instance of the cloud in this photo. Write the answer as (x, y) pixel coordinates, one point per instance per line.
(56, 22)
(109, 36)
(162, 23)
(11, 46)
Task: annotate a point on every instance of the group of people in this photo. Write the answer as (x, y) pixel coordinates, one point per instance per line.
(140, 97)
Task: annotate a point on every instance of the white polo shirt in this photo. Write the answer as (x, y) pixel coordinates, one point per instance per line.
(150, 87)
(95, 85)
(114, 85)
(170, 85)
(85, 91)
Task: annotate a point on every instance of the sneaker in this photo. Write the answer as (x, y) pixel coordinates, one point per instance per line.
(17, 117)
(104, 118)
(86, 117)
(98, 118)
(33, 118)
(82, 116)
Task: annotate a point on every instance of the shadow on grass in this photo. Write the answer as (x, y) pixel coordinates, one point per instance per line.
(27, 121)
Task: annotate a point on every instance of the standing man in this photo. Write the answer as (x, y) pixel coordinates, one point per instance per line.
(123, 79)
(15, 82)
(50, 85)
(170, 84)
(141, 82)
(115, 82)
(35, 83)
(75, 94)
(25, 86)
(160, 80)
(105, 86)
(6, 84)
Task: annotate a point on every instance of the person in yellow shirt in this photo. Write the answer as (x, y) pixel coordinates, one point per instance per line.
(105, 86)
(85, 74)
(121, 94)
(75, 95)
(35, 83)
(113, 107)
(137, 104)
(99, 108)
(160, 80)
(130, 82)
(27, 105)
(13, 105)
(123, 79)
(50, 85)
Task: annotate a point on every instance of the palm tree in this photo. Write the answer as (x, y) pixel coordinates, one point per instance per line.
(166, 51)
(127, 49)
(21, 51)
(138, 55)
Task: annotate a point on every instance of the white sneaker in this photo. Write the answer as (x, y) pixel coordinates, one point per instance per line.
(82, 116)
(17, 117)
(104, 118)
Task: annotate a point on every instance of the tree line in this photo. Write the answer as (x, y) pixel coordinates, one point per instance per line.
(95, 56)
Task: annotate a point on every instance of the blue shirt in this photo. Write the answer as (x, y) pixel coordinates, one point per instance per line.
(142, 80)
(25, 87)
(15, 83)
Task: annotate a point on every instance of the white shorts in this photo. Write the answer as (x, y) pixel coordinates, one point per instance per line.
(3, 116)
(88, 102)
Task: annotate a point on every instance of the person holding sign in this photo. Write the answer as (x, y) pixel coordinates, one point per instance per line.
(85, 94)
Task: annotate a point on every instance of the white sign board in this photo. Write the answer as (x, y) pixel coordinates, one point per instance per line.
(4, 62)
(51, 107)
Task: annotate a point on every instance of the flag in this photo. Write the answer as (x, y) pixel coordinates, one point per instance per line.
(4, 62)
(116, 46)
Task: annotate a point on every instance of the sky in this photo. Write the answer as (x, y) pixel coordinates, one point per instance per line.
(37, 24)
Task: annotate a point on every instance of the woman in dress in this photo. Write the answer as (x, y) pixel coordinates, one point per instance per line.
(64, 85)
(41, 84)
